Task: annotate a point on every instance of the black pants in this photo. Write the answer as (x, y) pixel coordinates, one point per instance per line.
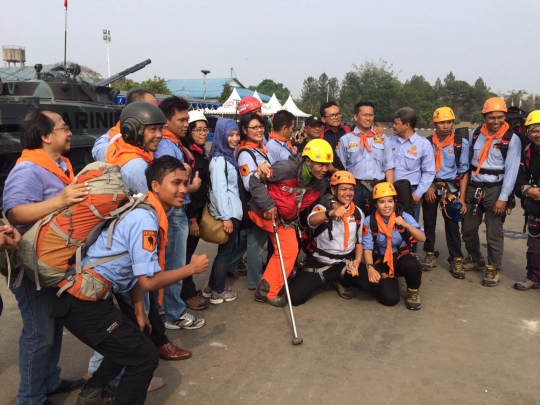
(387, 289)
(304, 284)
(104, 328)
(189, 289)
(451, 228)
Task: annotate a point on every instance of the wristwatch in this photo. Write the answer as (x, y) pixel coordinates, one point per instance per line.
(369, 265)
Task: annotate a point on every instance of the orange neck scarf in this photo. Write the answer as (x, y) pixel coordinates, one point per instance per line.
(163, 230)
(387, 229)
(120, 152)
(364, 139)
(40, 158)
(489, 140)
(171, 137)
(114, 130)
(440, 146)
(251, 145)
(279, 138)
(345, 219)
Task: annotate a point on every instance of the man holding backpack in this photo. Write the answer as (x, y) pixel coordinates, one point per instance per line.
(447, 191)
(118, 335)
(494, 167)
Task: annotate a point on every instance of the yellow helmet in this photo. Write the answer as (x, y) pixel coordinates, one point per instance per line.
(533, 118)
(443, 114)
(342, 177)
(318, 150)
(384, 190)
(494, 104)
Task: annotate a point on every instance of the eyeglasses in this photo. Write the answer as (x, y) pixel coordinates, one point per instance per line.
(201, 130)
(333, 116)
(65, 128)
(257, 127)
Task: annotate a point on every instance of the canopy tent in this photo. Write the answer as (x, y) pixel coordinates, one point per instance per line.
(230, 106)
(292, 108)
(272, 107)
(256, 95)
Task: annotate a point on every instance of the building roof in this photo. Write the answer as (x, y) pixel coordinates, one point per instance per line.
(194, 88)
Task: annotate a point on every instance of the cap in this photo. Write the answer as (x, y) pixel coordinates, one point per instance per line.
(312, 120)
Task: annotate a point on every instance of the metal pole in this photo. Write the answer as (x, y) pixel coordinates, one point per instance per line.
(65, 42)
(204, 95)
(108, 61)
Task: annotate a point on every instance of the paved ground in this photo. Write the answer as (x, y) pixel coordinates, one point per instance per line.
(468, 345)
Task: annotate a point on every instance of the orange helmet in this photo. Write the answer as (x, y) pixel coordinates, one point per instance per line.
(342, 177)
(443, 114)
(248, 104)
(494, 104)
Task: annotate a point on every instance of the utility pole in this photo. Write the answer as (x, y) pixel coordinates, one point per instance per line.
(107, 39)
(204, 72)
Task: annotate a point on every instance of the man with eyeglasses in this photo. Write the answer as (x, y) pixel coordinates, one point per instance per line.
(333, 131)
(366, 154)
(175, 129)
(494, 168)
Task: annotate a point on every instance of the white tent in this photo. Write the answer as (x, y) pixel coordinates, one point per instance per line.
(256, 95)
(231, 105)
(292, 108)
(272, 106)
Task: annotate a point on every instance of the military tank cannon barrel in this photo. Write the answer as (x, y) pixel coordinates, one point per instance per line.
(124, 73)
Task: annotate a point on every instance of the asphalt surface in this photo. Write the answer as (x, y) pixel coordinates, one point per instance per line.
(469, 344)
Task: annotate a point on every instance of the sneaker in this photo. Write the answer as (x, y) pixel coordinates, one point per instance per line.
(227, 295)
(275, 302)
(526, 284)
(197, 303)
(161, 310)
(186, 321)
(344, 292)
(96, 396)
(207, 292)
(430, 261)
(492, 276)
(413, 299)
(469, 264)
(241, 268)
(456, 267)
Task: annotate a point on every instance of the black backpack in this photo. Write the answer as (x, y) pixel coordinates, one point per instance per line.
(503, 147)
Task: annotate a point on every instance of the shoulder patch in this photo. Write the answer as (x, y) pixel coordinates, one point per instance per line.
(318, 208)
(365, 230)
(149, 240)
(244, 170)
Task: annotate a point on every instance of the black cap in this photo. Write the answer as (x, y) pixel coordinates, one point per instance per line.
(312, 120)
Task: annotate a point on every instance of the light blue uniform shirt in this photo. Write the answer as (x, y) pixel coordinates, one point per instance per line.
(448, 169)
(495, 161)
(365, 165)
(245, 160)
(397, 241)
(167, 147)
(224, 200)
(278, 150)
(127, 237)
(414, 161)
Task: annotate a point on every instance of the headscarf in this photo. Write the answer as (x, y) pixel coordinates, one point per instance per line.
(220, 145)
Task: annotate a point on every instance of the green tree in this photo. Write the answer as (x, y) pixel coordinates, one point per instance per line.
(316, 91)
(225, 94)
(156, 85)
(269, 87)
(477, 118)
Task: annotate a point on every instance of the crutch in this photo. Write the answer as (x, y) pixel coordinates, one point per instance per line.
(296, 340)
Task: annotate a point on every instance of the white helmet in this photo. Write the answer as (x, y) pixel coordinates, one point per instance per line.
(196, 115)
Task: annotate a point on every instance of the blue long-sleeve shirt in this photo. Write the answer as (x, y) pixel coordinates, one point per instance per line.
(224, 201)
(414, 161)
(167, 147)
(365, 165)
(495, 161)
(449, 169)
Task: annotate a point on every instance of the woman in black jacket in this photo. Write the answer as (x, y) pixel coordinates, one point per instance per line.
(195, 144)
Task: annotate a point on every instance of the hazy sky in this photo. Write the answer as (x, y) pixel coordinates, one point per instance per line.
(287, 40)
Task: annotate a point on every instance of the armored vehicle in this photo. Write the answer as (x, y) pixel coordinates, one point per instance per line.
(88, 109)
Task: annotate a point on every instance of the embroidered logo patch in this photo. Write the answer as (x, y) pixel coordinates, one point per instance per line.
(412, 152)
(244, 170)
(353, 145)
(378, 139)
(365, 230)
(149, 240)
(413, 147)
(318, 209)
(450, 150)
(111, 328)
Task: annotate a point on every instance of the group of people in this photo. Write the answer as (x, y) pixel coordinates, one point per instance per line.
(350, 198)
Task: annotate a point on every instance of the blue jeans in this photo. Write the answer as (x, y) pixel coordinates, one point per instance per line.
(39, 344)
(359, 199)
(416, 207)
(239, 250)
(175, 257)
(252, 240)
(218, 275)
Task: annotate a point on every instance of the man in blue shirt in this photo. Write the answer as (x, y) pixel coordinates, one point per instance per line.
(496, 152)
(365, 153)
(279, 145)
(118, 334)
(451, 160)
(413, 156)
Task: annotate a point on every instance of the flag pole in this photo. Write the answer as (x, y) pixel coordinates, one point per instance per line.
(65, 38)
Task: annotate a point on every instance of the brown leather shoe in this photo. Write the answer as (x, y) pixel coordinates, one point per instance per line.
(156, 384)
(169, 351)
(197, 303)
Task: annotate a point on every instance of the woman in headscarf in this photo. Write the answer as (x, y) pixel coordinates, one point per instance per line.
(224, 204)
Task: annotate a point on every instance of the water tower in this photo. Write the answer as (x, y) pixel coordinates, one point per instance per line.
(13, 54)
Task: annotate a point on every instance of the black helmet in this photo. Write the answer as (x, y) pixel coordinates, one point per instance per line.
(135, 117)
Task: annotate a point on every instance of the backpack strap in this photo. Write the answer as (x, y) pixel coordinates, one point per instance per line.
(458, 147)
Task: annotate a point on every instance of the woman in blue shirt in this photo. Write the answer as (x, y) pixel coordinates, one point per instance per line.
(388, 251)
(224, 204)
